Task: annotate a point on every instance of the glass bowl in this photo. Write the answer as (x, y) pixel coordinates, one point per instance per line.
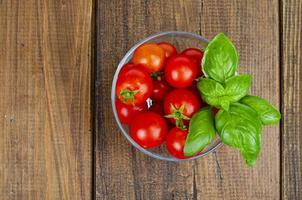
(181, 40)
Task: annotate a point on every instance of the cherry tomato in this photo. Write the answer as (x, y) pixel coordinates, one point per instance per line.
(180, 71)
(180, 105)
(157, 107)
(195, 55)
(148, 129)
(170, 49)
(160, 88)
(175, 142)
(134, 86)
(127, 67)
(127, 112)
(150, 57)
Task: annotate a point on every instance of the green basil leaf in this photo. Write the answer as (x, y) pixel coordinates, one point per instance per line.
(239, 112)
(220, 59)
(248, 114)
(201, 132)
(238, 86)
(216, 95)
(225, 104)
(268, 113)
(240, 136)
(211, 91)
(240, 128)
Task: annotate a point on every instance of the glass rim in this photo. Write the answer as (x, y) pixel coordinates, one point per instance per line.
(113, 88)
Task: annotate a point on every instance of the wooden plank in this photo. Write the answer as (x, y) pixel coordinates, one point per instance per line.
(45, 126)
(121, 171)
(124, 173)
(253, 26)
(291, 50)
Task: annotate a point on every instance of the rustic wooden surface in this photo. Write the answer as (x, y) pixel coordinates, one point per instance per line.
(45, 126)
(291, 57)
(47, 146)
(123, 172)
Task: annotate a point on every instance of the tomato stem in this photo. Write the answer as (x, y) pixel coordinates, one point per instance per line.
(156, 75)
(128, 95)
(178, 115)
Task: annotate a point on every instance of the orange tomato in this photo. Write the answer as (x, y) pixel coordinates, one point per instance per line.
(149, 56)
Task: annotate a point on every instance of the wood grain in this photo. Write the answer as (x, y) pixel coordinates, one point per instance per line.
(121, 171)
(124, 173)
(45, 126)
(253, 26)
(292, 99)
(45, 74)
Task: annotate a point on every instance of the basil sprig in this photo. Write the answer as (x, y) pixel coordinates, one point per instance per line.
(215, 94)
(241, 117)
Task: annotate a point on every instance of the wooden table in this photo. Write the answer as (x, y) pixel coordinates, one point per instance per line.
(58, 137)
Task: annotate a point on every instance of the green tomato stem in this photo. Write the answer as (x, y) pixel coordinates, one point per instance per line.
(128, 95)
(178, 115)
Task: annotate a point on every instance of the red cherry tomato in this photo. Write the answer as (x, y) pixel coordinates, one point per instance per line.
(170, 49)
(195, 55)
(180, 105)
(127, 67)
(134, 86)
(180, 71)
(160, 88)
(148, 129)
(157, 107)
(175, 142)
(150, 57)
(127, 112)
